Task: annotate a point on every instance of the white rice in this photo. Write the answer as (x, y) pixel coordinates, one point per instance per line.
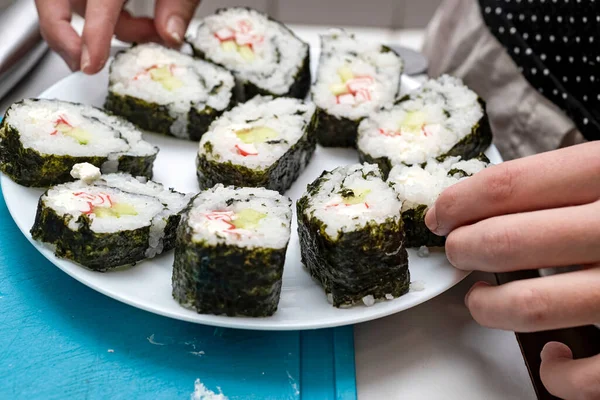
(36, 122)
(416, 185)
(272, 230)
(287, 117)
(73, 199)
(364, 58)
(173, 202)
(153, 205)
(278, 56)
(85, 172)
(379, 204)
(442, 113)
(202, 83)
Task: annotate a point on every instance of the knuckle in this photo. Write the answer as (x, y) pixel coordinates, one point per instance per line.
(498, 245)
(500, 184)
(531, 308)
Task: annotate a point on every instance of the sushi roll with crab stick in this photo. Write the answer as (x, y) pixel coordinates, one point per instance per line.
(419, 187)
(107, 221)
(354, 78)
(263, 54)
(165, 91)
(41, 140)
(440, 119)
(230, 251)
(265, 142)
(351, 236)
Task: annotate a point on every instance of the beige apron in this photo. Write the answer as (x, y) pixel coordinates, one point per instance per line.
(524, 122)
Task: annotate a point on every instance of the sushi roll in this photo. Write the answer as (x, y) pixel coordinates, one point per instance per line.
(165, 91)
(354, 79)
(442, 118)
(419, 187)
(263, 54)
(230, 251)
(351, 236)
(264, 142)
(41, 140)
(106, 221)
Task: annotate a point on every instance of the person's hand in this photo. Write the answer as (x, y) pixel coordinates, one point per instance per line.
(536, 212)
(103, 18)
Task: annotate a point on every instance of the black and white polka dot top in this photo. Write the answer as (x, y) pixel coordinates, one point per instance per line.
(556, 44)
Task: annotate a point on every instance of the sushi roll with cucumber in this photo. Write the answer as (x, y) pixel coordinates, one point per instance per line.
(419, 187)
(165, 91)
(41, 140)
(230, 251)
(265, 142)
(107, 221)
(263, 54)
(351, 236)
(354, 79)
(440, 119)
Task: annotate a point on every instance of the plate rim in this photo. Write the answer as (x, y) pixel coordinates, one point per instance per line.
(208, 319)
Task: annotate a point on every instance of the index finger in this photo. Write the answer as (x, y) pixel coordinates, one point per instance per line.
(56, 29)
(555, 179)
(101, 16)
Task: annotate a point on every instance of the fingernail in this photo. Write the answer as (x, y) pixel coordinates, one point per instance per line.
(85, 59)
(554, 350)
(431, 220)
(176, 28)
(476, 285)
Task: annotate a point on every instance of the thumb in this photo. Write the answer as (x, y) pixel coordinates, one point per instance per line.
(172, 18)
(567, 378)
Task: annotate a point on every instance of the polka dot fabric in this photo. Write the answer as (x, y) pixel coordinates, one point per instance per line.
(556, 44)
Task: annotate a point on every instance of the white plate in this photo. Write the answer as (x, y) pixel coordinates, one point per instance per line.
(303, 304)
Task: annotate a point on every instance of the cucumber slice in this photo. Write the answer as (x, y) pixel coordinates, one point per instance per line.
(338, 89)
(229, 46)
(82, 136)
(413, 121)
(248, 219)
(116, 211)
(164, 76)
(247, 53)
(345, 73)
(258, 134)
(355, 196)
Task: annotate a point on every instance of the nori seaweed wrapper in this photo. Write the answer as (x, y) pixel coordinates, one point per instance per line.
(246, 89)
(384, 163)
(336, 131)
(225, 279)
(478, 141)
(97, 251)
(279, 176)
(156, 118)
(369, 261)
(417, 233)
(29, 167)
(299, 88)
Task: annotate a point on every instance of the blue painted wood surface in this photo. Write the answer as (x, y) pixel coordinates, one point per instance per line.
(62, 340)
